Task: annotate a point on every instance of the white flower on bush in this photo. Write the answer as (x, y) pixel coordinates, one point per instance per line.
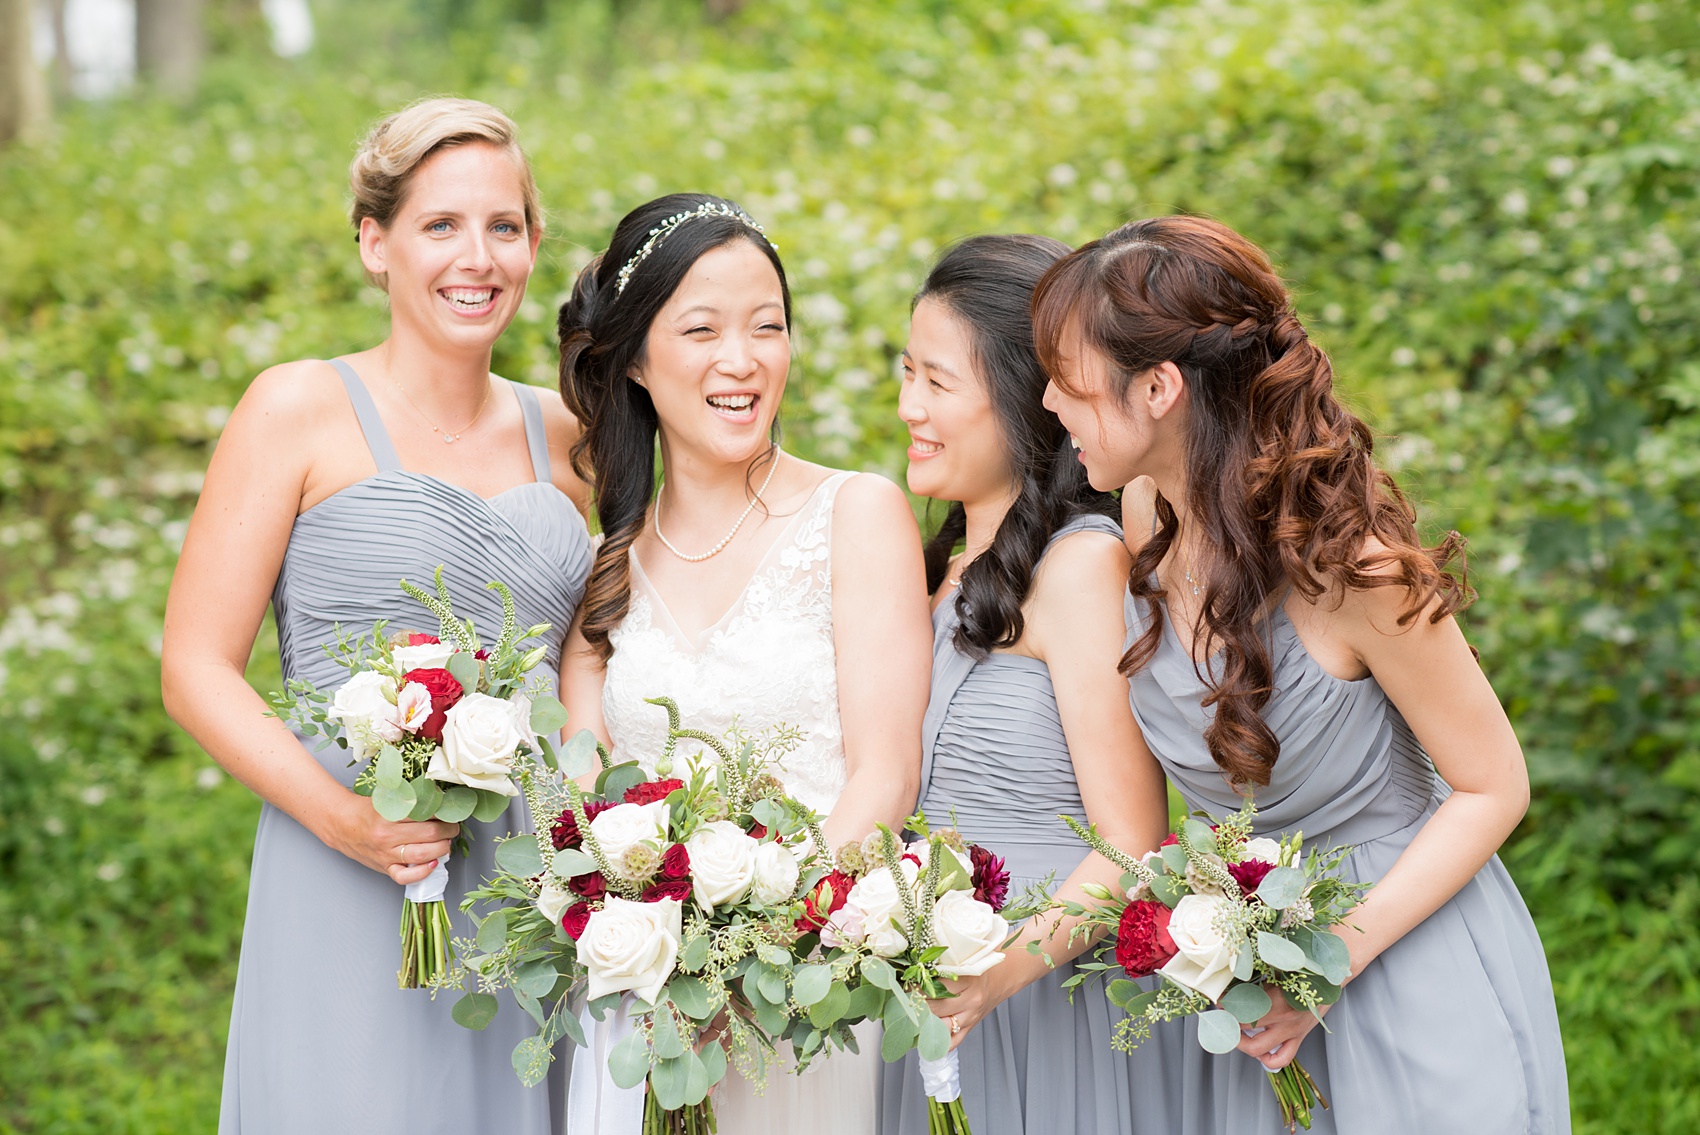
(412, 707)
(776, 874)
(425, 656)
(970, 932)
(479, 740)
(1203, 961)
(723, 864)
(1263, 849)
(366, 707)
(624, 826)
(554, 899)
(631, 946)
(878, 906)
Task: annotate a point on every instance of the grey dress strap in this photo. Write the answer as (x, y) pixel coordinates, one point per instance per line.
(377, 438)
(951, 666)
(535, 438)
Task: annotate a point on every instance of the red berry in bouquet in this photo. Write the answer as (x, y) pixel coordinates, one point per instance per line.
(1143, 944)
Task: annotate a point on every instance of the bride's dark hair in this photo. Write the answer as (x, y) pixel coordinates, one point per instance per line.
(603, 329)
(987, 283)
(1280, 477)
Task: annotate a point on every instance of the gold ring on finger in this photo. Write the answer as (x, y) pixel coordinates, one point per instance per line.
(955, 1026)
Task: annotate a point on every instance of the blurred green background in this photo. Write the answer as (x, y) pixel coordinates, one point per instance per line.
(1488, 209)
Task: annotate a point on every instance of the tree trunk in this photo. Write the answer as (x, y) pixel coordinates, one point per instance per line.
(170, 43)
(23, 94)
(64, 72)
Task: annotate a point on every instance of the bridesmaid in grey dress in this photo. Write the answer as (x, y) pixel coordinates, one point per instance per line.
(1027, 719)
(1290, 636)
(331, 483)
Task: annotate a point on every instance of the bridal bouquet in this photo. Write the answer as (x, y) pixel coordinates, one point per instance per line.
(893, 921)
(676, 899)
(1222, 917)
(439, 721)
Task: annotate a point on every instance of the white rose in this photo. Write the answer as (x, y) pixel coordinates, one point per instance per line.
(365, 706)
(723, 864)
(1263, 849)
(1203, 961)
(631, 946)
(876, 902)
(776, 874)
(970, 932)
(479, 740)
(520, 705)
(624, 826)
(554, 900)
(412, 706)
(425, 656)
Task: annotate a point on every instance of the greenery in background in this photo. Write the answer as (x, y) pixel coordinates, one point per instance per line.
(1489, 208)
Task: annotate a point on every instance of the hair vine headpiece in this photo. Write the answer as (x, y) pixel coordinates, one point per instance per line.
(665, 229)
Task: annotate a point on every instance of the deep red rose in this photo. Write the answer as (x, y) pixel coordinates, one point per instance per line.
(667, 889)
(815, 913)
(1249, 873)
(564, 833)
(444, 689)
(1170, 840)
(652, 790)
(758, 830)
(417, 639)
(911, 857)
(676, 863)
(991, 877)
(1143, 944)
(590, 886)
(574, 918)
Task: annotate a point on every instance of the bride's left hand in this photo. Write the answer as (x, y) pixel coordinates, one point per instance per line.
(970, 1006)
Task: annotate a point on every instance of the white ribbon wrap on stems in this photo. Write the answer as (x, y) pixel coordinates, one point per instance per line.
(595, 1103)
(432, 886)
(943, 1078)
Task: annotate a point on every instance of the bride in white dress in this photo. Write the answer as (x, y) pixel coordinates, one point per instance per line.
(752, 586)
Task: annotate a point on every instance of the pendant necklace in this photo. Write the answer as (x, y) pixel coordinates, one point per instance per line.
(448, 438)
(727, 539)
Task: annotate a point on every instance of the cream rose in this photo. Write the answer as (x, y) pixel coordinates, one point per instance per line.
(1263, 849)
(1203, 961)
(631, 947)
(554, 900)
(776, 874)
(425, 656)
(520, 705)
(366, 707)
(479, 740)
(970, 932)
(624, 826)
(723, 864)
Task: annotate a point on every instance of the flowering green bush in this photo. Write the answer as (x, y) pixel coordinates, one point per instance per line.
(1489, 208)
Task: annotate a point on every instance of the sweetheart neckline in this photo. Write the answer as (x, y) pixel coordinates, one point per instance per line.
(462, 489)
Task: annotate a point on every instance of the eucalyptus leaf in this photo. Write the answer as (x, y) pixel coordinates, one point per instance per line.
(490, 805)
(532, 1005)
(713, 1059)
(664, 1039)
(1328, 951)
(613, 782)
(877, 971)
(899, 1038)
(1169, 889)
(1247, 1002)
(1174, 858)
(570, 862)
(811, 983)
(772, 983)
(768, 814)
(548, 715)
(697, 1079)
(536, 978)
(531, 1061)
(464, 667)
(520, 857)
(457, 804)
(1218, 1031)
(1198, 834)
(493, 932)
(829, 1009)
(690, 994)
(1276, 951)
(571, 1028)
(428, 797)
(934, 1042)
(628, 1061)
(772, 1018)
(394, 802)
(389, 766)
(1282, 887)
(475, 1011)
(1121, 991)
(578, 754)
(1244, 961)
(695, 954)
(867, 1002)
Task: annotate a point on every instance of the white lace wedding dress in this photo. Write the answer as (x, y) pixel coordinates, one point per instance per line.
(769, 660)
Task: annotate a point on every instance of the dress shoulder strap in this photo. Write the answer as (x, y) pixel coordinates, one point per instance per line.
(366, 410)
(1085, 522)
(535, 438)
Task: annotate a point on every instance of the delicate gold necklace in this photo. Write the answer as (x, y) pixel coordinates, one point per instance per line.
(727, 539)
(448, 438)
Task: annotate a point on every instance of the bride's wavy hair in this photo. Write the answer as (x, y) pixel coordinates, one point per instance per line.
(987, 283)
(603, 328)
(1280, 475)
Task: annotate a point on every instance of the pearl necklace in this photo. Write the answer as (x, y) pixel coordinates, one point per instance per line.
(720, 547)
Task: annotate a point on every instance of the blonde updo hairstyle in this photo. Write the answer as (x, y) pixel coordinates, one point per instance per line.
(392, 153)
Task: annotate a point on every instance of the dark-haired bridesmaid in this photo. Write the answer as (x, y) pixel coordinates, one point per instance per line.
(1028, 718)
(1293, 638)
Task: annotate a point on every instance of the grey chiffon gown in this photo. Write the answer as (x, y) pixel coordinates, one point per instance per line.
(321, 1040)
(1453, 1028)
(994, 755)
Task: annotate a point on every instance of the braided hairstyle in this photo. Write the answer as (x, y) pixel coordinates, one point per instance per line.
(987, 283)
(603, 329)
(1280, 476)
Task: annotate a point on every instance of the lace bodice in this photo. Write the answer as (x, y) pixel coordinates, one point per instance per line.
(768, 661)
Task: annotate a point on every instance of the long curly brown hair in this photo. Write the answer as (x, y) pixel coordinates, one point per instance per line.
(1281, 481)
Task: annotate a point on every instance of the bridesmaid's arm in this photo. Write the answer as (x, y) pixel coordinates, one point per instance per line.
(882, 638)
(1429, 674)
(582, 675)
(260, 472)
(1075, 627)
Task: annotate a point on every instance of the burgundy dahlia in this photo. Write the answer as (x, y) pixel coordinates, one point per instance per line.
(1249, 874)
(564, 833)
(991, 877)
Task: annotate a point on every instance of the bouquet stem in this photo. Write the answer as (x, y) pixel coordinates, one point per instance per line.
(1297, 1093)
(425, 950)
(946, 1118)
(695, 1119)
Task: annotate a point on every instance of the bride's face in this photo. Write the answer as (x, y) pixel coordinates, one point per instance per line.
(717, 356)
